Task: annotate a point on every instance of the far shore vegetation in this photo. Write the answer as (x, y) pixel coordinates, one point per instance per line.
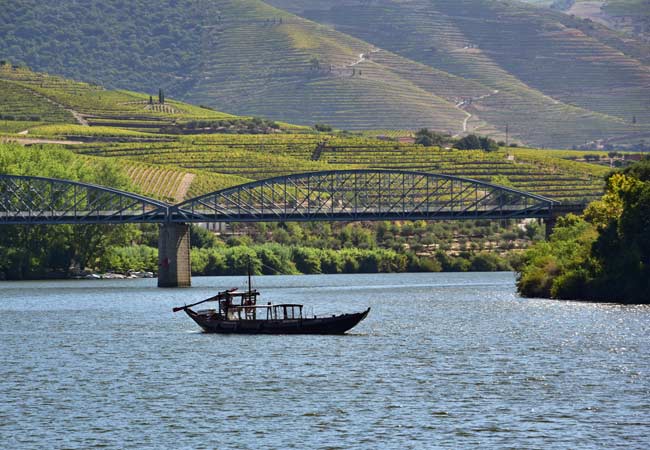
(603, 255)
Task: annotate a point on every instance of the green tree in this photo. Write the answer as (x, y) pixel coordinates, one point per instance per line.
(429, 138)
(604, 255)
(474, 142)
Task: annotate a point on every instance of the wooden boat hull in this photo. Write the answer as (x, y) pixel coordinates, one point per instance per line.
(319, 325)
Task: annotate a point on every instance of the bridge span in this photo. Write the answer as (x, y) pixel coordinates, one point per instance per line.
(334, 195)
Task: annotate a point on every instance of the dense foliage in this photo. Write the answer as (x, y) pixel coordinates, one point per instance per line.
(143, 44)
(474, 142)
(603, 255)
(340, 248)
(429, 138)
(38, 251)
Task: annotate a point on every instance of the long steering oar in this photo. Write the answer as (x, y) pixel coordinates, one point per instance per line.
(216, 297)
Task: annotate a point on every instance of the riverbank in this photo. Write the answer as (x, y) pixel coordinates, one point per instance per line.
(275, 259)
(603, 255)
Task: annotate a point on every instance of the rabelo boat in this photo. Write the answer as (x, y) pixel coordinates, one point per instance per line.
(238, 312)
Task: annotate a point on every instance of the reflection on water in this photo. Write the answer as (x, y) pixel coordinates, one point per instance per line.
(443, 360)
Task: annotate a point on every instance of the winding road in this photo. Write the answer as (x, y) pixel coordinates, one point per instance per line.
(464, 103)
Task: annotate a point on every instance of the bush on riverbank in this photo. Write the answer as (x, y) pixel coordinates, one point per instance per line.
(274, 259)
(603, 255)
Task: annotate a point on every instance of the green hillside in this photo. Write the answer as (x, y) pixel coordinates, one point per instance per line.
(559, 79)
(243, 57)
(174, 167)
(29, 95)
(451, 65)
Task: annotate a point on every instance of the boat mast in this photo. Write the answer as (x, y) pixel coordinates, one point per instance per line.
(249, 275)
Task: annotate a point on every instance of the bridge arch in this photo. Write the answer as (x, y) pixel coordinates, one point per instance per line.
(362, 194)
(38, 200)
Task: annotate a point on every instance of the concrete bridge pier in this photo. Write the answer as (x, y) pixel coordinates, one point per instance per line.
(174, 255)
(550, 223)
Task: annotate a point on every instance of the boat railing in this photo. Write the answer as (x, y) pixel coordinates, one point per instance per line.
(273, 312)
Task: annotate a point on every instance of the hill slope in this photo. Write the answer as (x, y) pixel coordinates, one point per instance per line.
(455, 66)
(175, 167)
(628, 16)
(558, 77)
(244, 57)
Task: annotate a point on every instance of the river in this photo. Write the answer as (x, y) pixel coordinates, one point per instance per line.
(442, 361)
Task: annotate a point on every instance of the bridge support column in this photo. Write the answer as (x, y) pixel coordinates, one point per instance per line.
(550, 224)
(174, 255)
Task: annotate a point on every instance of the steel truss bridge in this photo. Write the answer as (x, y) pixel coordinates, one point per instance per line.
(343, 195)
(336, 195)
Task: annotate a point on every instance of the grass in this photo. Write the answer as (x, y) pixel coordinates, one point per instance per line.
(18, 103)
(79, 130)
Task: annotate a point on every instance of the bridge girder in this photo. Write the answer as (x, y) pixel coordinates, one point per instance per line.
(362, 194)
(37, 200)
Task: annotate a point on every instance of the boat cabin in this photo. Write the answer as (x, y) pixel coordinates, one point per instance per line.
(243, 306)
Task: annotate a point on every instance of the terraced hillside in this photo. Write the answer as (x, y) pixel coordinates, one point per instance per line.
(454, 66)
(556, 76)
(244, 57)
(176, 167)
(173, 184)
(19, 103)
(628, 16)
(29, 95)
(258, 58)
(264, 156)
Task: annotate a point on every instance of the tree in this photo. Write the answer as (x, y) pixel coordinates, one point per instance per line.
(430, 138)
(473, 142)
(201, 238)
(322, 127)
(469, 142)
(603, 255)
(424, 140)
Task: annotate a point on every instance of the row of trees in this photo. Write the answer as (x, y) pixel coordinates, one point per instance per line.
(253, 125)
(430, 138)
(274, 259)
(603, 255)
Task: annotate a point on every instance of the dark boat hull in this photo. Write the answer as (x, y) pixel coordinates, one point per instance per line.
(320, 325)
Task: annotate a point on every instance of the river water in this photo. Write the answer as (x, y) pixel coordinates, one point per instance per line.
(442, 361)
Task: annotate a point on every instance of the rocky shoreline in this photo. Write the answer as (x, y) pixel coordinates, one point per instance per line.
(129, 275)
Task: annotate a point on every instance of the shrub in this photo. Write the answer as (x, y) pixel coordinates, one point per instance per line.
(322, 127)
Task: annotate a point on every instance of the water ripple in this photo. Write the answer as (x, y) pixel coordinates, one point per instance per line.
(443, 361)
